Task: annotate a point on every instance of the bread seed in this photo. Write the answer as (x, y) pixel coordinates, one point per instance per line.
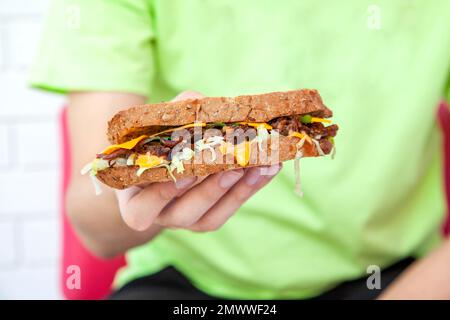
(167, 116)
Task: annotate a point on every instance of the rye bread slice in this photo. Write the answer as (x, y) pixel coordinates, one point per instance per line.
(124, 177)
(153, 118)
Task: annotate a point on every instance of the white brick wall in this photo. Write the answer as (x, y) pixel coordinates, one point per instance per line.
(23, 7)
(4, 146)
(7, 244)
(29, 184)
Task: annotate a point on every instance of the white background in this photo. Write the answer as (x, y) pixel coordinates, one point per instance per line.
(29, 162)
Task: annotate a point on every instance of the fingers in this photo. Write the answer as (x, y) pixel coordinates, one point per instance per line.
(198, 181)
(216, 198)
(202, 204)
(188, 95)
(198, 200)
(140, 206)
(254, 180)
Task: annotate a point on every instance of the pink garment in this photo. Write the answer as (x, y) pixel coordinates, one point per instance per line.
(97, 274)
(444, 121)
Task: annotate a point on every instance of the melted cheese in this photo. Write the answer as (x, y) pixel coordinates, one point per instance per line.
(132, 143)
(314, 119)
(242, 153)
(300, 135)
(195, 124)
(296, 134)
(126, 145)
(148, 161)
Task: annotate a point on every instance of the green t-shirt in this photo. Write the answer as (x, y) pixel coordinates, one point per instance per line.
(381, 66)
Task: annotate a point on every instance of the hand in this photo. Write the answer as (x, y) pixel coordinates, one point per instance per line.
(198, 203)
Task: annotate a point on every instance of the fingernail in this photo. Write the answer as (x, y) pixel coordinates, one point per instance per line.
(270, 171)
(252, 177)
(183, 183)
(229, 178)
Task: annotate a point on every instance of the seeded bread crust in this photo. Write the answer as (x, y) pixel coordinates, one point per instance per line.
(152, 118)
(124, 177)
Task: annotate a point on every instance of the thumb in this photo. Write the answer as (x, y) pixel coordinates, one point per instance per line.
(188, 95)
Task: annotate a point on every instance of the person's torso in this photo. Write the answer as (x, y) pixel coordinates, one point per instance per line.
(381, 66)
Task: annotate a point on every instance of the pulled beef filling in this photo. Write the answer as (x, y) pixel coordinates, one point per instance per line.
(326, 145)
(155, 149)
(119, 153)
(315, 130)
(162, 146)
(286, 124)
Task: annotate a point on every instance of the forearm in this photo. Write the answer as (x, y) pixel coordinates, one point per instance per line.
(428, 278)
(97, 219)
(98, 223)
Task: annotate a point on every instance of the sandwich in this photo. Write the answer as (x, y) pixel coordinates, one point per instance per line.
(197, 137)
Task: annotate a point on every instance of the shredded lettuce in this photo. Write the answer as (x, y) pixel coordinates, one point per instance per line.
(176, 164)
(300, 144)
(177, 160)
(210, 143)
(140, 171)
(319, 149)
(99, 164)
(298, 186)
(298, 156)
(97, 186)
(131, 159)
(333, 152)
(95, 166)
(87, 168)
(121, 161)
(92, 168)
(169, 172)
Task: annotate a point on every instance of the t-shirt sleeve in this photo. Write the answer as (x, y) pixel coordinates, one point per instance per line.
(96, 45)
(447, 89)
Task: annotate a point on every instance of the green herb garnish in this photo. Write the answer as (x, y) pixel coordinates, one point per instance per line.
(216, 125)
(331, 139)
(306, 119)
